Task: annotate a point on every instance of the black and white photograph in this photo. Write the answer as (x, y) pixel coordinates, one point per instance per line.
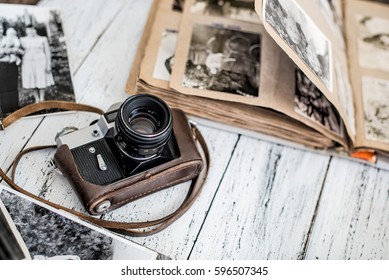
(232, 9)
(302, 35)
(223, 60)
(373, 42)
(49, 235)
(12, 246)
(375, 94)
(311, 102)
(34, 65)
(165, 57)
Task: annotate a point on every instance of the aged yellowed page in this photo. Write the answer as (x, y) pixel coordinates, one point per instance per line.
(311, 33)
(367, 29)
(206, 65)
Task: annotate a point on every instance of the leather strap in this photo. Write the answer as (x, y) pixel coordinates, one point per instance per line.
(46, 105)
(127, 228)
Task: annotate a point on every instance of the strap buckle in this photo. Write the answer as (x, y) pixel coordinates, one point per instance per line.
(1, 126)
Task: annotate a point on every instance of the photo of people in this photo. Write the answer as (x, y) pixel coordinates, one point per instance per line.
(302, 36)
(233, 9)
(311, 102)
(34, 65)
(223, 60)
(376, 108)
(373, 42)
(165, 57)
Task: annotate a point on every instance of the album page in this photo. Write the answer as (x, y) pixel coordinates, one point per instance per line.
(154, 71)
(367, 32)
(311, 33)
(228, 55)
(156, 67)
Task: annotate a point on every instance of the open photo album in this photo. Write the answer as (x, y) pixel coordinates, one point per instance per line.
(311, 74)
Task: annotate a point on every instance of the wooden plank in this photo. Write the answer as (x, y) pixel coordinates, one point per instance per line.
(13, 138)
(102, 78)
(177, 240)
(352, 220)
(35, 171)
(83, 23)
(264, 205)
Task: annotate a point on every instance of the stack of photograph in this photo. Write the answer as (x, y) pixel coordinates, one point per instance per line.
(263, 67)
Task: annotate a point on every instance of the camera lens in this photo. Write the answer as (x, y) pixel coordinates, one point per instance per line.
(144, 125)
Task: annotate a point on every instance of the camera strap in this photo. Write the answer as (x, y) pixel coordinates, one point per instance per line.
(127, 228)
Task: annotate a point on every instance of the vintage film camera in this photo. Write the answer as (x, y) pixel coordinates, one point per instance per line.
(135, 148)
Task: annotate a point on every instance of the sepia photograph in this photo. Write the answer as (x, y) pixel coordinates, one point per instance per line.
(165, 57)
(311, 102)
(34, 65)
(376, 108)
(223, 60)
(302, 35)
(49, 235)
(232, 9)
(373, 42)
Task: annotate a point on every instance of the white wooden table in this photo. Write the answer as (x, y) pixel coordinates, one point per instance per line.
(261, 200)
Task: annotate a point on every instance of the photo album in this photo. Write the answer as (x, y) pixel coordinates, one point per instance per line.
(34, 65)
(309, 74)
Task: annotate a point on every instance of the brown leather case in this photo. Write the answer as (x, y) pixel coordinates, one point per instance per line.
(176, 171)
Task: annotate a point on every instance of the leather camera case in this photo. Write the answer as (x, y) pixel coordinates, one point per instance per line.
(184, 168)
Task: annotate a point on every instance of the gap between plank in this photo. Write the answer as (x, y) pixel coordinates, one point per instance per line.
(214, 196)
(302, 254)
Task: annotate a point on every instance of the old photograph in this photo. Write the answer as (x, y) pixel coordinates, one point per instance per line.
(233, 9)
(301, 34)
(50, 235)
(34, 64)
(375, 94)
(312, 103)
(165, 57)
(373, 42)
(12, 246)
(223, 60)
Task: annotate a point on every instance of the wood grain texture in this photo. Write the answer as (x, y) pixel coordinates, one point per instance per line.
(352, 220)
(261, 200)
(35, 172)
(84, 22)
(264, 205)
(178, 239)
(101, 80)
(13, 139)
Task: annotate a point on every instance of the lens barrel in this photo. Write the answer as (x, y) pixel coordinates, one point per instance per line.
(144, 125)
